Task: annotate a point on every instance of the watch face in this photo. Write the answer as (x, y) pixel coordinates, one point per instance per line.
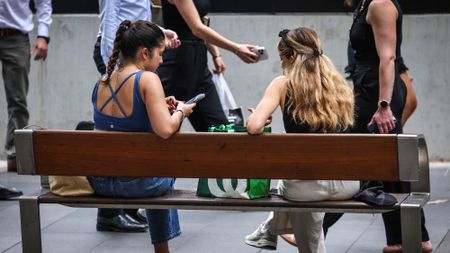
(384, 103)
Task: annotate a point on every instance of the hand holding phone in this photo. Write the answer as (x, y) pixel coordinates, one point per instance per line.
(261, 51)
(196, 98)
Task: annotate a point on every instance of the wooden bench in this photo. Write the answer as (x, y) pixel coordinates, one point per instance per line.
(234, 155)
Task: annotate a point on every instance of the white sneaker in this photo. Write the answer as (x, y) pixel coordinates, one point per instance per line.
(262, 238)
(142, 215)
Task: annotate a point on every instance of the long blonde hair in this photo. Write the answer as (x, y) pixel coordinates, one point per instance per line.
(318, 93)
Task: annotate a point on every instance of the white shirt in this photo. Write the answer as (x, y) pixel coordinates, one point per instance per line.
(16, 14)
(112, 13)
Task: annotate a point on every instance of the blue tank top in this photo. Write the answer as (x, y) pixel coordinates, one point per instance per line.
(137, 121)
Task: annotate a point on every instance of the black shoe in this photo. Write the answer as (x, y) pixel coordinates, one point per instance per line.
(120, 223)
(136, 214)
(7, 193)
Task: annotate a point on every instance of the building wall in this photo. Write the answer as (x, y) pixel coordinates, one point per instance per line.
(60, 89)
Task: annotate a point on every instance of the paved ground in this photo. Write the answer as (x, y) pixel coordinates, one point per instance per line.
(73, 230)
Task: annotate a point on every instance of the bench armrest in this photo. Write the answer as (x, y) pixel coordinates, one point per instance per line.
(25, 152)
(423, 185)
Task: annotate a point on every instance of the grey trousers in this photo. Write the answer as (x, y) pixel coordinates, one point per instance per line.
(15, 58)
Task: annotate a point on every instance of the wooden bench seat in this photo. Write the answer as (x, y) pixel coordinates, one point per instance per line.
(226, 155)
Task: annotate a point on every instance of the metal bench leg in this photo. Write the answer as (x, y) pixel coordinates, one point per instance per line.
(31, 225)
(410, 219)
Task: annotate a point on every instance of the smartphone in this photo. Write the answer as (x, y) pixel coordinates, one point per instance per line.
(373, 128)
(261, 51)
(196, 98)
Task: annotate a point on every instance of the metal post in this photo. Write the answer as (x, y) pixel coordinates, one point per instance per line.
(411, 223)
(30, 224)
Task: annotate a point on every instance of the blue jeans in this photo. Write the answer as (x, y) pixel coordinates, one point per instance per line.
(163, 224)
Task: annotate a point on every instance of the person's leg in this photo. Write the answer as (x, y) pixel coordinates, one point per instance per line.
(113, 220)
(393, 230)
(208, 111)
(329, 220)
(164, 224)
(262, 237)
(15, 57)
(308, 231)
(161, 247)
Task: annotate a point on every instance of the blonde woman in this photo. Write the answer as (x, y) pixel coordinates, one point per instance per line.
(314, 98)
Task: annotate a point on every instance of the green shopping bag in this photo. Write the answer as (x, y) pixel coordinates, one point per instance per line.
(233, 188)
(231, 128)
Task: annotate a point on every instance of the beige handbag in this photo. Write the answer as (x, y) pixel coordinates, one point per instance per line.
(70, 185)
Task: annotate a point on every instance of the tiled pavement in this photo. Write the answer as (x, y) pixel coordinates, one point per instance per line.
(73, 230)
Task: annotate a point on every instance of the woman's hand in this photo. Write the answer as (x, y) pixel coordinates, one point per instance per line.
(171, 39)
(219, 65)
(187, 109)
(171, 103)
(268, 121)
(247, 53)
(384, 119)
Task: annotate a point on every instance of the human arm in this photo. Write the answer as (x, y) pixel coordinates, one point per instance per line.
(163, 123)
(109, 25)
(191, 17)
(271, 100)
(219, 64)
(171, 38)
(382, 16)
(44, 19)
(411, 99)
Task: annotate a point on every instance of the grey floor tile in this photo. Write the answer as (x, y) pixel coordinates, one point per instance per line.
(68, 229)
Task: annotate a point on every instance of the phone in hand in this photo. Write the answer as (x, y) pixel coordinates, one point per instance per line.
(373, 128)
(261, 51)
(196, 98)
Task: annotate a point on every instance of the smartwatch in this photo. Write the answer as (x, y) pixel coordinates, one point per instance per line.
(383, 104)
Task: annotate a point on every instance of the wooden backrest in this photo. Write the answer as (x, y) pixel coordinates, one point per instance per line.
(228, 155)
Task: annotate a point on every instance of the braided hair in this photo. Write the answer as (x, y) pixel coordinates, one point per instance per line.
(130, 37)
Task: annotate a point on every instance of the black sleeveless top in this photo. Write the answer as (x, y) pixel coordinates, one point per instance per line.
(174, 21)
(290, 126)
(362, 38)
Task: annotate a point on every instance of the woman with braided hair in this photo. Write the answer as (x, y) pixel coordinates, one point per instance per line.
(130, 98)
(314, 98)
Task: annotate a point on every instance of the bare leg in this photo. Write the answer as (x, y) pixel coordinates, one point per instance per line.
(161, 247)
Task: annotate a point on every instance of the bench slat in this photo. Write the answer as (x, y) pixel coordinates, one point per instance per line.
(234, 155)
(185, 199)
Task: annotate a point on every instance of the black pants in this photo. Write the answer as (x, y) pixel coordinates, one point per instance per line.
(366, 91)
(15, 61)
(184, 73)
